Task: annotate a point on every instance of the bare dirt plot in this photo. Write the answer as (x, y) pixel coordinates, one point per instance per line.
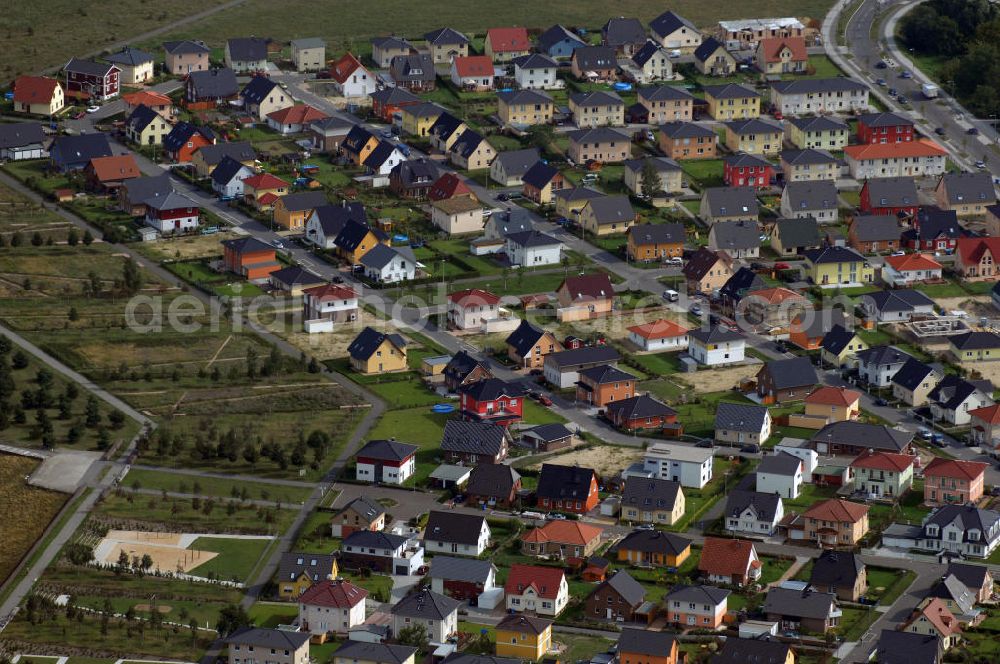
(714, 380)
(187, 248)
(328, 346)
(616, 325)
(605, 459)
(168, 550)
(988, 370)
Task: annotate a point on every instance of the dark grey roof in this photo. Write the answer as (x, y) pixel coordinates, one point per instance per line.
(732, 202)
(746, 159)
(799, 603)
(380, 653)
(367, 539)
(761, 650)
(471, 570)
(895, 647)
(950, 588)
(532, 239)
(975, 340)
(669, 22)
(143, 188)
(650, 493)
(490, 389)
(535, 61)
(227, 169)
(611, 209)
(875, 436)
(698, 594)
(484, 438)
(412, 68)
(519, 622)
(387, 450)
(524, 338)
(182, 132)
(214, 83)
(747, 417)
(661, 164)
(382, 152)
(714, 335)
(837, 339)
(730, 91)
(952, 392)
(596, 135)
(836, 569)
(318, 566)
(494, 480)
(304, 200)
(819, 123)
(415, 172)
(556, 34)
(638, 406)
(933, 223)
(754, 126)
(332, 218)
(467, 143)
(976, 187)
(80, 148)
(185, 46)
(834, 254)
(368, 341)
(20, 134)
(596, 98)
(590, 58)
(88, 67)
(547, 432)
(794, 372)
(794, 233)
(364, 506)
(898, 300)
(425, 605)
(308, 42)
(884, 120)
(517, 162)
(525, 97)
(171, 201)
(540, 175)
(644, 54)
(801, 86)
(586, 355)
(892, 192)
(972, 576)
(882, 355)
(657, 233)
(453, 527)
(810, 156)
(257, 89)
(620, 31)
(664, 93)
(130, 57)
(557, 482)
(577, 194)
(461, 365)
(247, 48)
(637, 641)
(812, 195)
(654, 541)
(240, 151)
(140, 118)
(396, 43)
(394, 95)
(379, 256)
(764, 504)
(743, 282)
(294, 275)
(706, 48)
(735, 235)
(876, 228)
(685, 130)
(278, 639)
(446, 36)
(781, 463)
(911, 374)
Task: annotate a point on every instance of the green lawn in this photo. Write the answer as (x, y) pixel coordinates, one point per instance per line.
(774, 568)
(236, 560)
(315, 537)
(855, 622)
(810, 494)
(180, 512)
(707, 172)
(272, 614)
(699, 416)
(210, 486)
(886, 585)
(409, 393)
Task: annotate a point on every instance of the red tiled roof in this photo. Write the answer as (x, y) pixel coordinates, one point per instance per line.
(148, 98)
(938, 615)
(331, 292)
(590, 286)
(473, 296)
(34, 89)
(883, 461)
(338, 594)
(508, 39)
(833, 396)
(264, 181)
(659, 329)
(954, 468)
(344, 67)
(118, 167)
(448, 185)
(298, 114)
(563, 532)
(836, 509)
(479, 66)
(989, 414)
(971, 249)
(920, 148)
(772, 47)
(775, 295)
(726, 557)
(913, 262)
(545, 580)
(268, 199)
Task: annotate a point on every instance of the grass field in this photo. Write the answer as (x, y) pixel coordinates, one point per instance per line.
(181, 515)
(27, 510)
(236, 559)
(19, 214)
(210, 486)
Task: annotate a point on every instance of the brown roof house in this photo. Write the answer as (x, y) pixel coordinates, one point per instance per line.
(730, 561)
(782, 381)
(562, 539)
(618, 599)
(707, 271)
(585, 296)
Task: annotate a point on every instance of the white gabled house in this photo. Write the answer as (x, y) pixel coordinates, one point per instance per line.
(753, 513)
(456, 533)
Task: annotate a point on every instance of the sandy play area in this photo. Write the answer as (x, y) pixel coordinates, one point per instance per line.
(169, 551)
(715, 380)
(334, 344)
(605, 459)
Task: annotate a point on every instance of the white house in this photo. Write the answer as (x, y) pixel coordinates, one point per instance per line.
(542, 590)
(389, 265)
(877, 365)
(798, 448)
(919, 158)
(691, 466)
(716, 346)
(469, 309)
(780, 473)
(660, 335)
(381, 551)
(331, 607)
(450, 571)
(472, 72)
(228, 177)
(385, 157)
(533, 248)
(815, 96)
(172, 213)
(896, 305)
(385, 462)
(437, 613)
(351, 79)
(753, 513)
(963, 529)
(953, 398)
(456, 533)
(536, 72)
(902, 271)
(326, 305)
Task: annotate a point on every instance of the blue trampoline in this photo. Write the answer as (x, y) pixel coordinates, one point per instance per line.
(442, 408)
(623, 87)
(399, 237)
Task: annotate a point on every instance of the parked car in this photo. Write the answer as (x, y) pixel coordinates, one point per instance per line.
(939, 131)
(881, 64)
(902, 100)
(544, 400)
(707, 443)
(972, 131)
(905, 74)
(880, 82)
(695, 309)
(892, 92)
(980, 164)
(750, 448)
(881, 402)
(925, 434)
(674, 260)
(93, 109)
(782, 266)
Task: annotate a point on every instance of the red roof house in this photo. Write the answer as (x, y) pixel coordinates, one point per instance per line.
(506, 43)
(729, 561)
(543, 590)
(777, 55)
(107, 173)
(294, 119)
(472, 71)
(978, 258)
(953, 480)
(448, 186)
(492, 400)
(37, 94)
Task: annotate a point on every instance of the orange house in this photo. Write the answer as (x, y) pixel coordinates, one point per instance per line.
(640, 646)
(601, 385)
(249, 258)
(953, 481)
(185, 139)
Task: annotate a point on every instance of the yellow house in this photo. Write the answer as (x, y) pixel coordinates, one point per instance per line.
(838, 266)
(523, 637)
(840, 346)
(654, 547)
(569, 202)
(355, 240)
(374, 352)
(207, 157)
(417, 120)
(732, 102)
(607, 215)
(822, 132)
(835, 404)
(975, 346)
(38, 95)
(754, 136)
(297, 572)
(525, 108)
(292, 210)
(145, 126)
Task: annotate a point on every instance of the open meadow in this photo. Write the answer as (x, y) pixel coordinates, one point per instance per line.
(27, 510)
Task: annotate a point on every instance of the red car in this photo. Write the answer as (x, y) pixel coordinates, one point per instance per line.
(782, 266)
(544, 400)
